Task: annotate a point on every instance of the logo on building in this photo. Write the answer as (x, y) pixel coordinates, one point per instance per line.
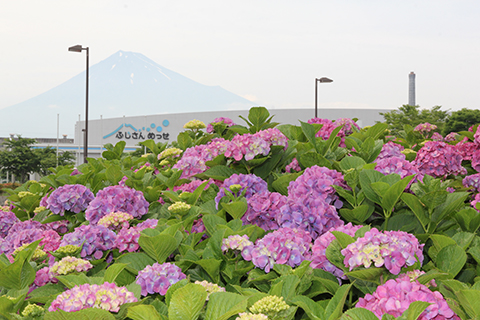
(127, 131)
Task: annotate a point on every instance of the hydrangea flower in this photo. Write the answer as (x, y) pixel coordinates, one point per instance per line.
(33, 311)
(392, 249)
(127, 238)
(396, 295)
(236, 242)
(472, 180)
(436, 137)
(115, 220)
(210, 287)
(227, 121)
(399, 166)
(270, 305)
(475, 201)
(327, 128)
(250, 182)
(69, 265)
(310, 214)
(95, 238)
(157, 278)
(391, 149)
(192, 186)
(170, 153)
(317, 182)
(425, 129)
(466, 149)
(194, 158)
(7, 220)
(283, 246)
(293, 166)
(38, 254)
(194, 125)
(106, 296)
(44, 276)
(116, 198)
(263, 208)
(248, 146)
(179, 207)
(251, 316)
(349, 126)
(23, 232)
(439, 159)
(452, 136)
(70, 197)
(319, 249)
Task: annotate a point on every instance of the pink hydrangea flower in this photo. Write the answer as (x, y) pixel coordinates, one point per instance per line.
(157, 278)
(70, 197)
(396, 295)
(106, 296)
(227, 121)
(439, 159)
(283, 246)
(391, 149)
(127, 238)
(263, 209)
(293, 166)
(319, 249)
(392, 249)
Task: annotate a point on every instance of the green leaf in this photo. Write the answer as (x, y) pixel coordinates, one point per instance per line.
(417, 208)
(85, 314)
(19, 274)
(335, 307)
(143, 312)
(367, 177)
(113, 271)
(370, 274)
(358, 214)
(281, 184)
(310, 159)
(187, 302)
(45, 293)
(451, 259)
(184, 140)
(223, 305)
(135, 261)
(415, 309)
(159, 247)
(258, 116)
(313, 310)
(393, 194)
(469, 300)
(236, 208)
(343, 238)
(219, 172)
(358, 314)
(351, 163)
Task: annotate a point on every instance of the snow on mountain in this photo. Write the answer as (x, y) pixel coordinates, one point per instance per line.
(126, 83)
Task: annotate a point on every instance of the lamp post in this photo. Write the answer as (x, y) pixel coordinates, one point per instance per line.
(321, 80)
(78, 48)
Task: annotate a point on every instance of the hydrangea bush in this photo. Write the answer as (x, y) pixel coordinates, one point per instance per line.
(292, 224)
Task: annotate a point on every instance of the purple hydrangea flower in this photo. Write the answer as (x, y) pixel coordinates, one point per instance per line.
(95, 239)
(263, 209)
(116, 198)
(283, 246)
(394, 249)
(391, 149)
(396, 295)
(466, 149)
(452, 136)
(23, 232)
(317, 182)
(127, 238)
(439, 159)
(472, 180)
(310, 214)
(157, 278)
(70, 197)
(7, 220)
(326, 130)
(251, 182)
(349, 126)
(319, 248)
(106, 296)
(475, 201)
(192, 186)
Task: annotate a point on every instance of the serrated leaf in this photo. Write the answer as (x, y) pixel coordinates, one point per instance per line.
(159, 247)
(223, 305)
(187, 302)
(143, 312)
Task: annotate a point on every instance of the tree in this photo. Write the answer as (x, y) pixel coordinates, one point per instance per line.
(461, 120)
(48, 159)
(413, 116)
(19, 158)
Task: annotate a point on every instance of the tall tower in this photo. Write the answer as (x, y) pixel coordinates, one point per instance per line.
(411, 89)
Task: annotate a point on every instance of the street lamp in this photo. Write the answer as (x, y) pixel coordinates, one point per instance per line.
(78, 48)
(321, 80)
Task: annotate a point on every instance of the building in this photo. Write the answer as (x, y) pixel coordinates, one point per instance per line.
(166, 127)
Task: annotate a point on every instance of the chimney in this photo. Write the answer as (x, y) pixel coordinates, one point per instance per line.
(411, 89)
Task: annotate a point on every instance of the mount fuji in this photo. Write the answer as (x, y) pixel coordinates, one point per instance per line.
(126, 83)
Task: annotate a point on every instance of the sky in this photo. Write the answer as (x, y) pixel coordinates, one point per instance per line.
(269, 52)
